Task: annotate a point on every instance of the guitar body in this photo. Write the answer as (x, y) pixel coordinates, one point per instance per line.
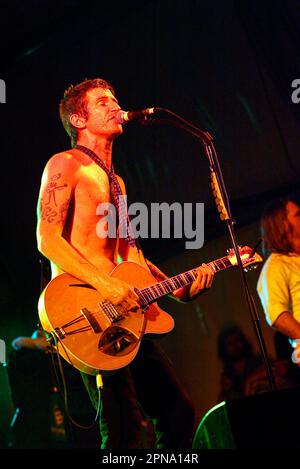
(87, 338)
(93, 334)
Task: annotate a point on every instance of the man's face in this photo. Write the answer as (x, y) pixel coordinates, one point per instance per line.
(102, 109)
(293, 217)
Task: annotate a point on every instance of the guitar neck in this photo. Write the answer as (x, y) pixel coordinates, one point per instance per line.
(154, 292)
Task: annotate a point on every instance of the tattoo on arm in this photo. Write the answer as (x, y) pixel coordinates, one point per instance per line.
(53, 187)
(48, 204)
(47, 213)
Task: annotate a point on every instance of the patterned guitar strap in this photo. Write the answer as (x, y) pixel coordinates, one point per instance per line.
(117, 196)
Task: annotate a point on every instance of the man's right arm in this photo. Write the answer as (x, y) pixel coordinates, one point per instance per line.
(58, 184)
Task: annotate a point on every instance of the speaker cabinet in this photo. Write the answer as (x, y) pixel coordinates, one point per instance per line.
(267, 420)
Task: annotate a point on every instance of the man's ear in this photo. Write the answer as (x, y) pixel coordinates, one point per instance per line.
(77, 121)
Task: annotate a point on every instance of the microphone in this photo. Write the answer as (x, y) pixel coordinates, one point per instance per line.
(127, 116)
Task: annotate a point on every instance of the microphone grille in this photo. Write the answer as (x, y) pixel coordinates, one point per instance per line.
(120, 116)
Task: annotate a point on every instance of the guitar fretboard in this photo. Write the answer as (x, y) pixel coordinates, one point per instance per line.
(150, 294)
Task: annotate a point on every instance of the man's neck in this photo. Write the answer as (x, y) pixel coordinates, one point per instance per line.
(102, 148)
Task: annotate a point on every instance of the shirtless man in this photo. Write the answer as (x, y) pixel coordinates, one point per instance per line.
(73, 185)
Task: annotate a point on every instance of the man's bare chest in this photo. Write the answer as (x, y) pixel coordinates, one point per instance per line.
(92, 189)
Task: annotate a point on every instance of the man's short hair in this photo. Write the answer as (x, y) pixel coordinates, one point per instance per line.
(75, 102)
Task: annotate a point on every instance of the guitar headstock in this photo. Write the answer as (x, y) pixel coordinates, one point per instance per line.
(249, 260)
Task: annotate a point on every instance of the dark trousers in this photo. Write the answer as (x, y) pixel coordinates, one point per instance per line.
(149, 382)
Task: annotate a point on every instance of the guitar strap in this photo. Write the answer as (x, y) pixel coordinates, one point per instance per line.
(117, 195)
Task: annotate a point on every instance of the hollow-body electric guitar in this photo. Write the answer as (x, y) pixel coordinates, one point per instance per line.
(95, 335)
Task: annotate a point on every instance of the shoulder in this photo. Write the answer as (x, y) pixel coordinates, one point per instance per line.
(62, 164)
(65, 159)
(281, 261)
(276, 260)
(276, 266)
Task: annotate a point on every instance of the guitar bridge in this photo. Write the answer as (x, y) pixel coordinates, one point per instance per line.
(60, 332)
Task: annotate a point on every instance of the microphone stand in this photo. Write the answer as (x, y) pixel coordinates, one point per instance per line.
(223, 207)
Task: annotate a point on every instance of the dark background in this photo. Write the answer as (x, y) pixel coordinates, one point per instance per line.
(225, 65)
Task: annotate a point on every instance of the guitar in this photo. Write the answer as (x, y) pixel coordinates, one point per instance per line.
(95, 335)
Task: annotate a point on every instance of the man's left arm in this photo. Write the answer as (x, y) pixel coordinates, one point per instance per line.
(189, 292)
